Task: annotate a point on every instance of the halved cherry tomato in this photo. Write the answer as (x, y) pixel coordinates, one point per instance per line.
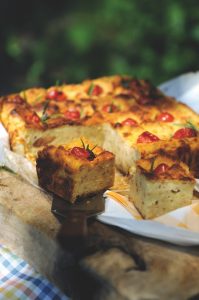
(56, 95)
(96, 90)
(129, 122)
(61, 97)
(165, 117)
(52, 94)
(80, 152)
(147, 137)
(32, 118)
(72, 115)
(17, 99)
(160, 169)
(109, 108)
(185, 133)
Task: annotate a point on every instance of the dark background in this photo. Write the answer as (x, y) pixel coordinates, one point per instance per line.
(45, 41)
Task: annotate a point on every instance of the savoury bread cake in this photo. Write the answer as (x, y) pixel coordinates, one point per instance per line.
(75, 170)
(159, 185)
(126, 116)
(122, 114)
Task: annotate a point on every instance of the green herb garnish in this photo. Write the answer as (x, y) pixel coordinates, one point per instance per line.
(90, 151)
(191, 125)
(152, 163)
(57, 82)
(188, 124)
(90, 90)
(37, 99)
(44, 118)
(44, 115)
(83, 143)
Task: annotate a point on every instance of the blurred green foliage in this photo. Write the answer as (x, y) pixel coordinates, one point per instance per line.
(45, 41)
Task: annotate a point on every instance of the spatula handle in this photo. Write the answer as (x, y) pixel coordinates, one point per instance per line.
(73, 231)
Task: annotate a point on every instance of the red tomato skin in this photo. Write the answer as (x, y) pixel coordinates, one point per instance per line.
(147, 137)
(52, 94)
(80, 152)
(160, 169)
(61, 97)
(97, 90)
(33, 118)
(109, 108)
(185, 133)
(129, 122)
(56, 95)
(17, 99)
(72, 115)
(165, 117)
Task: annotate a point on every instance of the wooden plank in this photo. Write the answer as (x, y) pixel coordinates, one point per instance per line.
(114, 264)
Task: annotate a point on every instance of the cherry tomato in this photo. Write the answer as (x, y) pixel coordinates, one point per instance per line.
(165, 117)
(185, 133)
(96, 90)
(160, 169)
(109, 108)
(72, 115)
(17, 99)
(52, 94)
(56, 95)
(147, 137)
(33, 118)
(61, 97)
(80, 152)
(129, 122)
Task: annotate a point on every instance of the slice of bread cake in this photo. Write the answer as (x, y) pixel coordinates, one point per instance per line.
(75, 170)
(160, 185)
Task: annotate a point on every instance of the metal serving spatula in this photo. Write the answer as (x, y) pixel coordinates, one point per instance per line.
(73, 231)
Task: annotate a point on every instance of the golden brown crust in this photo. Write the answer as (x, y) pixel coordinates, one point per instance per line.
(63, 172)
(144, 101)
(96, 102)
(175, 169)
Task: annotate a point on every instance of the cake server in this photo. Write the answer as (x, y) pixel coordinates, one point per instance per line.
(73, 217)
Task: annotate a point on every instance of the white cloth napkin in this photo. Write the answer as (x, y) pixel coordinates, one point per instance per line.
(184, 88)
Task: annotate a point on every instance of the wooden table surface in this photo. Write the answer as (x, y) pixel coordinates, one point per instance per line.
(114, 264)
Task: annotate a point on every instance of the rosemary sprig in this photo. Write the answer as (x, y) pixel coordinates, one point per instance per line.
(44, 115)
(191, 125)
(57, 82)
(44, 118)
(188, 124)
(90, 151)
(38, 99)
(83, 143)
(90, 90)
(152, 164)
